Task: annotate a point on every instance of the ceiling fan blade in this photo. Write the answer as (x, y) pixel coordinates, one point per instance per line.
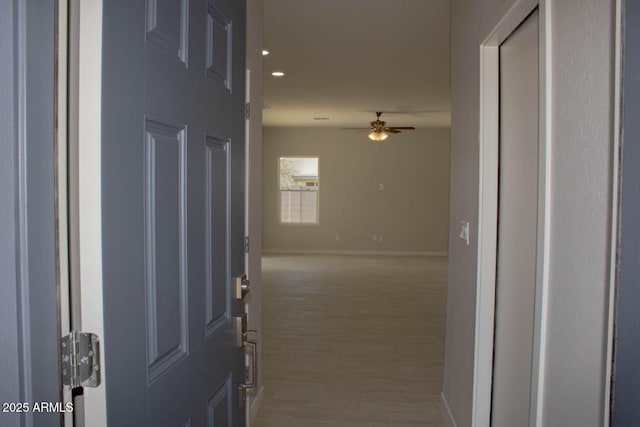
(402, 127)
(391, 130)
(356, 128)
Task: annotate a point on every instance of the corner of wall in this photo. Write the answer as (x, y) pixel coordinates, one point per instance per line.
(256, 403)
(447, 415)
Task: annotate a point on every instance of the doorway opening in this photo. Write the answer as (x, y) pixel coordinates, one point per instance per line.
(354, 298)
(490, 193)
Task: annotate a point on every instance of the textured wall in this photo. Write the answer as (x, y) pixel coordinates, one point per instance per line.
(411, 213)
(582, 136)
(471, 22)
(582, 66)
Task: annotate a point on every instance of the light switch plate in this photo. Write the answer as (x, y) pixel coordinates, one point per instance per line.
(464, 231)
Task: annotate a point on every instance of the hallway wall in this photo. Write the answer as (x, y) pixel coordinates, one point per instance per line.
(411, 213)
(582, 109)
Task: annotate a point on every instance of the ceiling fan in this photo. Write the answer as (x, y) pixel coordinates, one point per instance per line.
(380, 132)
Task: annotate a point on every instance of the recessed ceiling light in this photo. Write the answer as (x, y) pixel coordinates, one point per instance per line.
(277, 74)
(265, 52)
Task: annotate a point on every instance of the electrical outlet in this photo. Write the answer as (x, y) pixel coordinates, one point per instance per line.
(337, 237)
(374, 238)
(381, 187)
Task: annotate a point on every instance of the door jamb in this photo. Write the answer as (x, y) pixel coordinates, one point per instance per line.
(488, 210)
(254, 95)
(62, 170)
(615, 208)
(85, 138)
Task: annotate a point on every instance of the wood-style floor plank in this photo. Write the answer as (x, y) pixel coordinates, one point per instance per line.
(353, 341)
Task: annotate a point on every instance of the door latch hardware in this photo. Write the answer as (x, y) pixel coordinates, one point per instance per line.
(243, 285)
(241, 328)
(80, 360)
(251, 363)
(252, 367)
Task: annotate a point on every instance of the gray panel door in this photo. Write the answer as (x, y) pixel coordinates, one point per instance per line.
(29, 320)
(517, 226)
(626, 378)
(173, 210)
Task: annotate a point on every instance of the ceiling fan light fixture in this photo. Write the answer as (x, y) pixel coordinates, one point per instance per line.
(277, 74)
(378, 136)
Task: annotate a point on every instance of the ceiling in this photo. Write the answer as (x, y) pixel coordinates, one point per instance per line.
(346, 59)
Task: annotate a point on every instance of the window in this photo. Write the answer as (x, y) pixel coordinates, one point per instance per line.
(299, 185)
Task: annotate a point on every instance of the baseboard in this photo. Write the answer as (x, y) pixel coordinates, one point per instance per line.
(446, 412)
(256, 402)
(352, 252)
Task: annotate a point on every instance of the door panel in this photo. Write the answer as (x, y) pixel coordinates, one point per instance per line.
(517, 226)
(29, 288)
(165, 246)
(626, 375)
(173, 210)
(217, 239)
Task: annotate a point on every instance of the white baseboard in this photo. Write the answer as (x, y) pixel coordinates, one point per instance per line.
(256, 402)
(446, 412)
(351, 252)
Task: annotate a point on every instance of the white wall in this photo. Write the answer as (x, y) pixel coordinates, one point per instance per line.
(582, 73)
(411, 213)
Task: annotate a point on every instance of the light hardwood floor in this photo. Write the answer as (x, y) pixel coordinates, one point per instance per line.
(353, 341)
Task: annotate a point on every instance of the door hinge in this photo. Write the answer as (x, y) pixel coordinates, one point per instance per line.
(247, 110)
(80, 360)
(246, 244)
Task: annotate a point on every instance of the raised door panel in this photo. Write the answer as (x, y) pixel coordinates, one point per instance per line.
(166, 246)
(219, 410)
(219, 45)
(167, 27)
(218, 301)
